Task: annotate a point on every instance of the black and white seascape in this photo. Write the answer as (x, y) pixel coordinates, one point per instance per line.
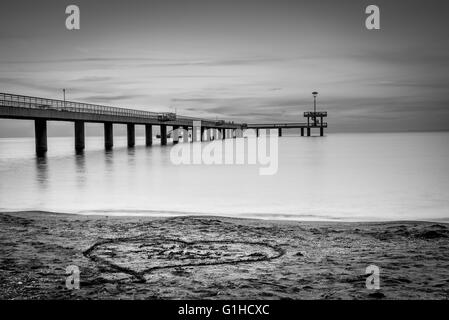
(224, 149)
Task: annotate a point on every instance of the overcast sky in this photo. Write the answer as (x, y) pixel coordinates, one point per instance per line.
(253, 61)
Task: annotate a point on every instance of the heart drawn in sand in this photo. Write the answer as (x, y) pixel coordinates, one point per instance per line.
(138, 256)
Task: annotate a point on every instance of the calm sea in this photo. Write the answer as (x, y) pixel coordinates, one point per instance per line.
(384, 176)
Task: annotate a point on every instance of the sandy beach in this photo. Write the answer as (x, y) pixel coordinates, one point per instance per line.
(218, 258)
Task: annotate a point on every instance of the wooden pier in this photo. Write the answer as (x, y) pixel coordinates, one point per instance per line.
(41, 110)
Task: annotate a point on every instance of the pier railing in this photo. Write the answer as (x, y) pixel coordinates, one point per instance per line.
(19, 101)
(284, 125)
(315, 114)
(29, 102)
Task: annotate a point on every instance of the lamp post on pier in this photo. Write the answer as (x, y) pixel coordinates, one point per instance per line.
(314, 106)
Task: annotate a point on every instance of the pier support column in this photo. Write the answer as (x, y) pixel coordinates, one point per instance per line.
(302, 132)
(280, 132)
(194, 134)
(321, 131)
(130, 128)
(79, 136)
(202, 133)
(257, 133)
(185, 134)
(163, 135)
(148, 135)
(223, 134)
(308, 132)
(175, 134)
(208, 136)
(108, 136)
(40, 132)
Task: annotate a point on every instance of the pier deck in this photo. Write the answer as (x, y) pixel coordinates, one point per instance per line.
(41, 110)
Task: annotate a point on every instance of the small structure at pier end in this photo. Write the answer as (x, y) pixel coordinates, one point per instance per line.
(314, 120)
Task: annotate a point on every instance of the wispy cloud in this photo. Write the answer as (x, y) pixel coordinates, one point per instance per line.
(154, 62)
(111, 98)
(92, 79)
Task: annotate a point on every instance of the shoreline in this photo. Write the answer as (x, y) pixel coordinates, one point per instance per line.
(211, 257)
(261, 217)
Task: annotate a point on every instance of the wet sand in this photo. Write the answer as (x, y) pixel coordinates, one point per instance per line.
(218, 258)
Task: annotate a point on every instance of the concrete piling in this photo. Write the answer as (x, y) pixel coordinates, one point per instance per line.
(185, 134)
(40, 131)
(175, 134)
(131, 133)
(148, 135)
(79, 136)
(163, 134)
(108, 136)
(194, 133)
(202, 133)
